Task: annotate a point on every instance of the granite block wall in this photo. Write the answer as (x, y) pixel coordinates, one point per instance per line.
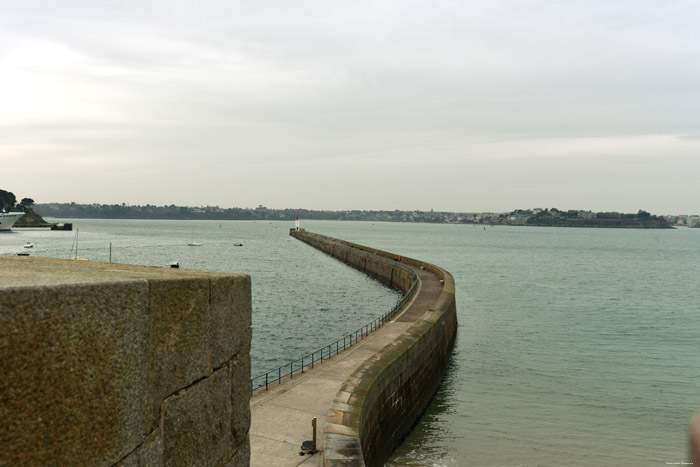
(105, 364)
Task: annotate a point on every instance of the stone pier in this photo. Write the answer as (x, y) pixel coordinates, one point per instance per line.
(365, 399)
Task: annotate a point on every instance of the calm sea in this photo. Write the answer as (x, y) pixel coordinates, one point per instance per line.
(575, 346)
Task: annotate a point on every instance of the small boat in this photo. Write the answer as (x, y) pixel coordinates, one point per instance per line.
(29, 245)
(22, 253)
(192, 242)
(174, 264)
(75, 245)
(237, 244)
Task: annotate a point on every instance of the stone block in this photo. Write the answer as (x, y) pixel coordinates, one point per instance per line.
(240, 397)
(338, 447)
(72, 361)
(196, 423)
(177, 332)
(241, 458)
(230, 317)
(149, 454)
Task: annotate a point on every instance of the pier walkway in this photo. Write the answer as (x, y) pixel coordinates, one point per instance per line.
(281, 416)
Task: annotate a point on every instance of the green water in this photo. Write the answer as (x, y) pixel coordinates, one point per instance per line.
(575, 346)
(302, 299)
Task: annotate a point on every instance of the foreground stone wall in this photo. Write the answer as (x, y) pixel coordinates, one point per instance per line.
(379, 404)
(106, 364)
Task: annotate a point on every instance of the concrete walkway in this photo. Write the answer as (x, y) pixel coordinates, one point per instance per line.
(281, 416)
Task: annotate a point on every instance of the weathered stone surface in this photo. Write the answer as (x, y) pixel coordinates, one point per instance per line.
(240, 397)
(177, 332)
(149, 454)
(89, 351)
(340, 447)
(72, 360)
(230, 317)
(196, 423)
(242, 456)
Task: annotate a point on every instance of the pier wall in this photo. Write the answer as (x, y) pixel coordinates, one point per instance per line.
(105, 364)
(386, 268)
(383, 399)
(694, 439)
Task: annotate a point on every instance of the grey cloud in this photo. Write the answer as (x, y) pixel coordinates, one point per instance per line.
(277, 86)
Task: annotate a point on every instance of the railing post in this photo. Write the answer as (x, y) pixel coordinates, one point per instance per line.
(279, 375)
(266, 380)
(302, 365)
(291, 370)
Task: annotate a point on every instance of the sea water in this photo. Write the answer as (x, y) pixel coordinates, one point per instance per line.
(575, 346)
(302, 299)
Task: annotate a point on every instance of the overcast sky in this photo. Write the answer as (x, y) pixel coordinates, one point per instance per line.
(450, 105)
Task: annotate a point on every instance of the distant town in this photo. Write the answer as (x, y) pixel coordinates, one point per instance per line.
(533, 217)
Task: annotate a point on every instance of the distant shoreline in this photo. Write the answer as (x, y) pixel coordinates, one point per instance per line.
(538, 217)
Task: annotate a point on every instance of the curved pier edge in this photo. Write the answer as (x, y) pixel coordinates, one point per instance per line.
(378, 405)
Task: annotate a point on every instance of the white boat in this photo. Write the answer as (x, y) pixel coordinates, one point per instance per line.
(193, 243)
(8, 219)
(75, 246)
(29, 245)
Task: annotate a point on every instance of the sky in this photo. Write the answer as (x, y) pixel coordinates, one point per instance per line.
(464, 106)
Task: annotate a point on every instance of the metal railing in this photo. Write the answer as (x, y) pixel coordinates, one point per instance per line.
(326, 352)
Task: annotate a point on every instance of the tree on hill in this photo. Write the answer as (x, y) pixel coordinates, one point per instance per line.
(7, 200)
(26, 203)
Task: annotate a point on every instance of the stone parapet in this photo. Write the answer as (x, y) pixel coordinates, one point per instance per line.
(107, 364)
